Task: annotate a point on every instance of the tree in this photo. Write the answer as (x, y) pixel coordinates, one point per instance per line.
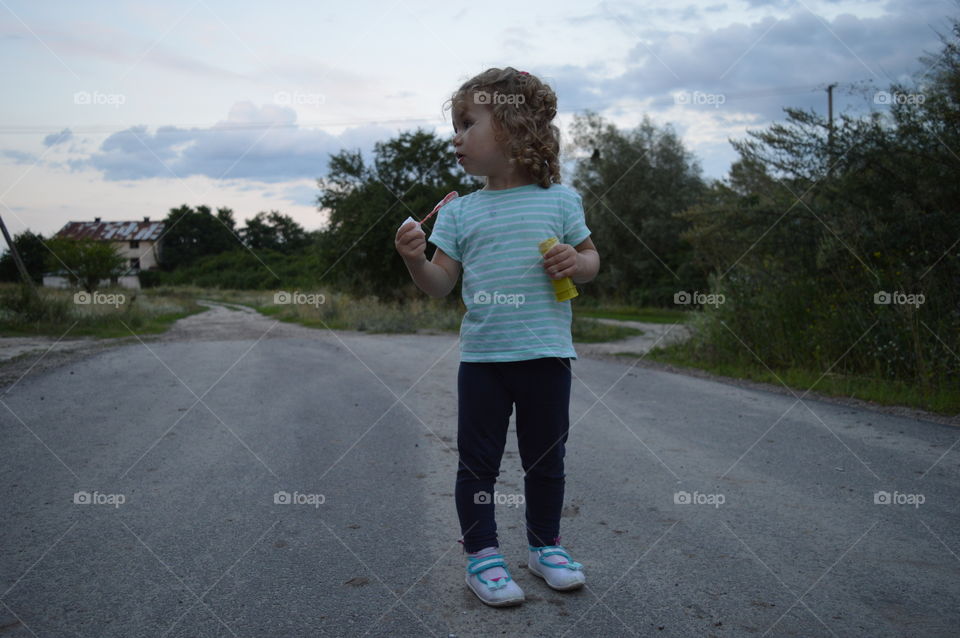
(85, 262)
(32, 252)
(190, 234)
(274, 231)
(366, 205)
(804, 236)
(632, 184)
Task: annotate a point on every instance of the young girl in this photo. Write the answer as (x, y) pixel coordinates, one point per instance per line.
(515, 341)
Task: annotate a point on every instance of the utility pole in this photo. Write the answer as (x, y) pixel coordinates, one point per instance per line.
(16, 257)
(830, 128)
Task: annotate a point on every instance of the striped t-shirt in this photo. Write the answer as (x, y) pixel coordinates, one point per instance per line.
(512, 314)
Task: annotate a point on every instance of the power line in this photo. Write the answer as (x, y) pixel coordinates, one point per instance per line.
(40, 129)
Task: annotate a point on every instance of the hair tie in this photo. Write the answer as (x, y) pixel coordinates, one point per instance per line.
(524, 73)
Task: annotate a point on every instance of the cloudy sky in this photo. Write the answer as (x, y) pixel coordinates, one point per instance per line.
(122, 110)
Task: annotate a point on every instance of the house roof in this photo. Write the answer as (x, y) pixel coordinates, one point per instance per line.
(113, 231)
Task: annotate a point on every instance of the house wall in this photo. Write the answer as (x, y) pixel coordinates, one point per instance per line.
(147, 252)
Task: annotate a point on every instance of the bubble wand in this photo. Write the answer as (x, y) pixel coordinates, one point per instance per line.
(443, 202)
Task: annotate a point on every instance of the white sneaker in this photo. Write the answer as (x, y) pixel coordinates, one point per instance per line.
(501, 592)
(562, 573)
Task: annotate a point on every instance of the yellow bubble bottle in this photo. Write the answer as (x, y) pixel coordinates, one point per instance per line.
(563, 289)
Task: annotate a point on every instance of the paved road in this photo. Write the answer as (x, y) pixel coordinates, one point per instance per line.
(184, 442)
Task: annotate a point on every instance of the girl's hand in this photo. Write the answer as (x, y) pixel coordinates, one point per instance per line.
(411, 242)
(560, 261)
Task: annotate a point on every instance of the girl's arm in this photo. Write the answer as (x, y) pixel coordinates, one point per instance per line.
(436, 278)
(588, 262)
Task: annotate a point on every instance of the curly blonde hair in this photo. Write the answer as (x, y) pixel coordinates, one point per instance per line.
(523, 120)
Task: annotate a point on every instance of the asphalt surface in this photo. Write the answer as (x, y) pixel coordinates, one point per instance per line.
(182, 445)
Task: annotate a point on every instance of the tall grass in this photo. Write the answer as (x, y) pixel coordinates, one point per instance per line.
(777, 338)
(340, 311)
(112, 312)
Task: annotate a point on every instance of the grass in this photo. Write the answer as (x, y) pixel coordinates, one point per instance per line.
(587, 330)
(342, 312)
(153, 310)
(942, 400)
(338, 311)
(112, 313)
(627, 313)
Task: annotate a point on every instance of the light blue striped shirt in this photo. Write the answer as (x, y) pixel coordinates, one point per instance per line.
(512, 314)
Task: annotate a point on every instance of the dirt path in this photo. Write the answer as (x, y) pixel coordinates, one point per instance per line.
(654, 334)
(20, 356)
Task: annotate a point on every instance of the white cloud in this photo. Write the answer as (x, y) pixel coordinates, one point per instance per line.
(262, 143)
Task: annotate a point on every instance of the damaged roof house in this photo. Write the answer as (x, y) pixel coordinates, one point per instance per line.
(137, 242)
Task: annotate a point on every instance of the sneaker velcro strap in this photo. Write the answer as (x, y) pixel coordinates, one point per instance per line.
(478, 565)
(558, 551)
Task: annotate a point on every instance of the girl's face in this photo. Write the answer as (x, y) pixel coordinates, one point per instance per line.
(477, 150)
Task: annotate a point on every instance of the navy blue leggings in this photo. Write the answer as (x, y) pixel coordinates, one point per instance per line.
(540, 388)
